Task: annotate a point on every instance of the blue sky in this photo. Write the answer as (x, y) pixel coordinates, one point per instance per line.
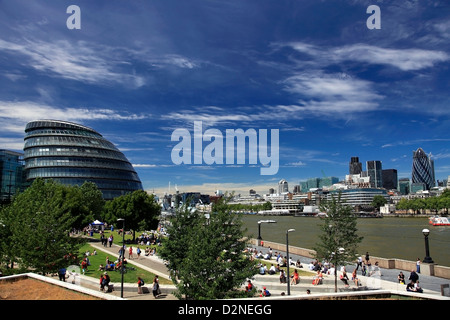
(138, 70)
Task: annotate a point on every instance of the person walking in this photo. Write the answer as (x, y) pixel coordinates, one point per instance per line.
(155, 288)
(141, 282)
(418, 265)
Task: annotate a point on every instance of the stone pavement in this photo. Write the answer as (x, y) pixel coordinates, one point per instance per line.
(151, 263)
(387, 280)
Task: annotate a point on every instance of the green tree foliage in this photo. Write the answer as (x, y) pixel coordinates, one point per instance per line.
(433, 204)
(37, 223)
(338, 241)
(206, 256)
(378, 201)
(139, 209)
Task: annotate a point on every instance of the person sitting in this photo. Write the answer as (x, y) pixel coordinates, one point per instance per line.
(101, 267)
(272, 270)
(104, 282)
(261, 270)
(401, 278)
(295, 277)
(318, 278)
(282, 276)
(355, 278)
(147, 251)
(344, 278)
(410, 286)
(266, 292)
(417, 288)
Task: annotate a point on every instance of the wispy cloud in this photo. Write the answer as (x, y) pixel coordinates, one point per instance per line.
(91, 62)
(14, 115)
(403, 59)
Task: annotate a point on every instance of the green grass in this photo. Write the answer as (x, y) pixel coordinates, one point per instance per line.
(131, 276)
(300, 272)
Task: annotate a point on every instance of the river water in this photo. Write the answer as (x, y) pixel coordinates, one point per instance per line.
(388, 237)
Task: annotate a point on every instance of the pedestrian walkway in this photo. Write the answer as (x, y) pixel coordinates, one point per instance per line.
(152, 264)
(387, 280)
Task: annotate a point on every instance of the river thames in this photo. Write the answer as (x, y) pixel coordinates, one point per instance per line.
(388, 237)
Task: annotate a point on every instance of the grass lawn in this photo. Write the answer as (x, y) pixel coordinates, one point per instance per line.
(131, 276)
(305, 273)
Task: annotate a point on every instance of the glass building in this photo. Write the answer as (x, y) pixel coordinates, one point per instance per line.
(12, 177)
(71, 154)
(423, 169)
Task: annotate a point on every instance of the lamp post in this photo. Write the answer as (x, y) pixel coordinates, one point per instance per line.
(259, 228)
(288, 263)
(123, 254)
(427, 258)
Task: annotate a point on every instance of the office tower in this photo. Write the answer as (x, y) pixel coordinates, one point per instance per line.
(71, 154)
(423, 169)
(355, 167)
(374, 171)
(390, 179)
(282, 186)
(404, 186)
(11, 174)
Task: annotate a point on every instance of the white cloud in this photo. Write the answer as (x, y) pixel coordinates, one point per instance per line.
(15, 115)
(403, 59)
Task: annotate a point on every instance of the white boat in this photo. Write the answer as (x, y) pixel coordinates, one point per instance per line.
(439, 221)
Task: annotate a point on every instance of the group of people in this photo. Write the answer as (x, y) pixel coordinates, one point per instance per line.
(155, 286)
(413, 284)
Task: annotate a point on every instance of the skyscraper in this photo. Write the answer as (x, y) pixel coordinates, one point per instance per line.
(71, 154)
(283, 186)
(423, 169)
(355, 167)
(374, 171)
(390, 179)
(11, 174)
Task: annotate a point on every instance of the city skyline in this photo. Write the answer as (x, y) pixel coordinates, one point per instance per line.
(136, 72)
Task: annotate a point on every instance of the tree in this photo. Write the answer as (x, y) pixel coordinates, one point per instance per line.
(338, 241)
(139, 209)
(206, 256)
(378, 201)
(38, 224)
(85, 204)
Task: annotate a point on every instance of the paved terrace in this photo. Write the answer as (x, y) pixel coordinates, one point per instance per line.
(388, 280)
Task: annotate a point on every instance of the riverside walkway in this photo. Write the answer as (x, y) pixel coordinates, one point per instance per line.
(387, 281)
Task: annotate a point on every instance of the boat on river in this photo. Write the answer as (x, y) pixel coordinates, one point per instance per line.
(439, 221)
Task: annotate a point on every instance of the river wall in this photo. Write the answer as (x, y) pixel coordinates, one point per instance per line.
(430, 269)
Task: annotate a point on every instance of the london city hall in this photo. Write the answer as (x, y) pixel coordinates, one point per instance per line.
(71, 154)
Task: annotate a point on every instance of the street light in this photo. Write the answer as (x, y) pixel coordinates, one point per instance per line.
(123, 253)
(288, 263)
(427, 258)
(259, 228)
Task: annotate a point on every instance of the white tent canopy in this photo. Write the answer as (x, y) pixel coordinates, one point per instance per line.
(97, 223)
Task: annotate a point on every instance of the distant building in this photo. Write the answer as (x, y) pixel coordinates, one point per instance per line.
(355, 167)
(423, 169)
(283, 186)
(12, 177)
(404, 186)
(390, 179)
(374, 171)
(359, 198)
(318, 183)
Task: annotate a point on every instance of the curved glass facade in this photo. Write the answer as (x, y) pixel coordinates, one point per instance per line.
(71, 154)
(423, 169)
